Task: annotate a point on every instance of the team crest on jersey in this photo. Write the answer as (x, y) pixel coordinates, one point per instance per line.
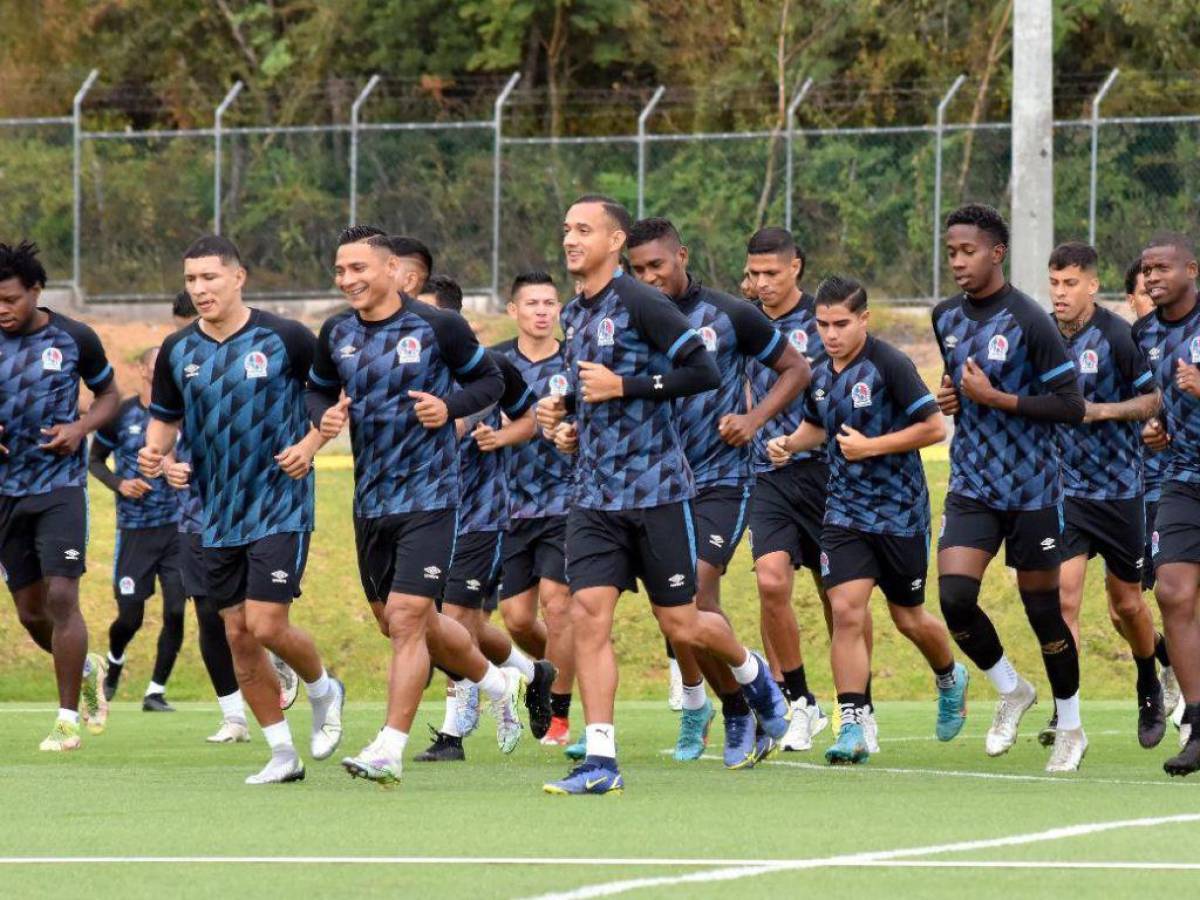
(256, 364)
(559, 386)
(824, 563)
(606, 332)
(408, 350)
(998, 348)
(861, 394)
(709, 336)
(52, 359)
(1194, 349)
(1154, 544)
(799, 339)
(1089, 362)
(125, 586)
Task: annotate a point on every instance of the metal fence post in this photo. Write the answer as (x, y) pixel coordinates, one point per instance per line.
(791, 131)
(217, 117)
(643, 117)
(1096, 101)
(498, 126)
(937, 184)
(76, 169)
(354, 112)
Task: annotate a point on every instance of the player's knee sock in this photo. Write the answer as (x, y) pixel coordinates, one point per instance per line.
(1147, 675)
(970, 627)
(1160, 650)
(170, 638)
(124, 627)
(233, 707)
(522, 663)
(795, 685)
(450, 719)
(560, 705)
(214, 649)
(853, 707)
(734, 704)
(869, 701)
(279, 739)
(1059, 653)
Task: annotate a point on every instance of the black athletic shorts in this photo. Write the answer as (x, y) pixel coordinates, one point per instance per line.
(1114, 529)
(475, 570)
(192, 565)
(533, 549)
(720, 514)
(787, 509)
(43, 535)
(267, 569)
(1148, 555)
(1032, 538)
(1176, 535)
(406, 553)
(144, 555)
(615, 548)
(896, 563)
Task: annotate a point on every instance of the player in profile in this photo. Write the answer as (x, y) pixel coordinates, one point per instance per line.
(236, 376)
(1008, 381)
(414, 264)
(868, 397)
(716, 429)
(43, 475)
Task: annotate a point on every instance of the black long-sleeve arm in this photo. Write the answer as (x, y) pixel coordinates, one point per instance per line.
(1065, 406)
(694, 373)
(97, 464)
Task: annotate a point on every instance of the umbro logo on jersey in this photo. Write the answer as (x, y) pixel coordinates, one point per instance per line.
(819, 394)
(1048, 543)
(860, 394)
(432, 572)
(191, 370)
(135, 429)
(347, 350)
(1155, 353)
(279, 577)
(998, 348)
(1089, 362)
(125, 586)
(408, 350)
(606, 333)
(52, 360)
(676, 580)
(716, 540)
(71, 554)
(256, 364)
(799, 339)
(709, 336)
(951, 341)
(473, 584)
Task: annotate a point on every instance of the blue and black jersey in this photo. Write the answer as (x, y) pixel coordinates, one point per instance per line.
(630, 455)
(40, 372)
(539, 476)
(1006, 461)
(1163, 343)
(799, 327)
(734, 332)
(122, 437)
(241, 401)
(1103, 460)
(878, 392)
(484, 477)
(399, 465)
(1154, 473)
(191, 507)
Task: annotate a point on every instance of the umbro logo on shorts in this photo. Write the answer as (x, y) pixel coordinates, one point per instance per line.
(71, 554)
(716, 540)
(676, 580)
(473, 584)
(279, 576)
(432, 572)
(1047, 543)
(917, 582)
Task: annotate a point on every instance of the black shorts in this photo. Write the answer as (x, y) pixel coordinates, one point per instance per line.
(43, 535)
(474, 571)
(144, 555)
(267, 569)
(614, 548)
(1032, 538)
(1114, 529)
(533, 549)
(896, 563)
(192, 565)
(1148, 555)
(406, 553)
(1176, 535)
(720, 514)
(787, 509)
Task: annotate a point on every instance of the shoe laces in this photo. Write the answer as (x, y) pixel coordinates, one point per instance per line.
(1063, 744)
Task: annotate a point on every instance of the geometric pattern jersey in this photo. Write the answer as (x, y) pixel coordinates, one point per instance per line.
(1163, 343)
(124, 436)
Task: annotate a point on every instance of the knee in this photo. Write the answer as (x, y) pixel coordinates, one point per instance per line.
(959, 598)
(519, 620)
(680, 629)
(1125, 606)
(1173, 594)
(401, 621)
(130, 616)
(62, 600)
(908, 621)
(32, 617)
(773, 583)
(848, 617)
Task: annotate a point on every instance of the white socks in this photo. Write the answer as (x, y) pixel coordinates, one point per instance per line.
(279, 739)
(519, 661)
(493, 684)
(116, 662)
(392, 742)
(232, 706)
(1003, 676)
(693, 696)
(450, 719)
(155, 688)
(747, 671)
(69, 715)
(601, 740)
(1068, 712)
(317, 690)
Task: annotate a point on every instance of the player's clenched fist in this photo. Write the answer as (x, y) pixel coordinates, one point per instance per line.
(1155, 436)
(150, 462)
(947, 397)
(296, 461)
(550, 411)
(178, 474)
(335, 419)
(431, 411)
(566, 437)
(778, 451)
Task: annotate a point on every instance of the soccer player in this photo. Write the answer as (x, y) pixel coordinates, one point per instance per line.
(414, 264)
(716, 429)
(1170, 340)
(868, 397)
(43, 475)
(630, 516)
(147, 541)
(1008, 381)
(236, 377)
(388, 366)
(1103, 509)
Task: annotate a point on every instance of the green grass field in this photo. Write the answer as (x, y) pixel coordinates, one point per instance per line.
(921, 819)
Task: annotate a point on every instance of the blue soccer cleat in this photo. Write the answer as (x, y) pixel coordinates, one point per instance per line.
(765, 747)
(693, 732)
(952, 705)
(577, 750)
(768, 702)
(739, 742)
(850, 747)
(588, 778)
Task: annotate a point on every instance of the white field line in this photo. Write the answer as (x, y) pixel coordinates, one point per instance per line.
(379, 860)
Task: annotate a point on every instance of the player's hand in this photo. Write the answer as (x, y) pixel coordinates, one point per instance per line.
(133, 488)
(178, 474)
(335, 419)
(1155, 436)
(736, 431)
(1187, 378)
(566, 437)
(296, 461)
(599, 383)
(150, 462)
(549, 413)
(975, 384)
(487, 438)
(854, 444)
(431, 411)
(947, 397)
(778, 451)
(65, 438)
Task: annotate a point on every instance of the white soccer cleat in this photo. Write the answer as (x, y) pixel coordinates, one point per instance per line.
(1172, 695)
(289, 681)
(1070, 746)
(1009, 711)
(1185, 733)
(675, 686)
(230, 732)
(279, 770)
(327, 722)
(807, 722)
(871, 732)
(466, 706)
(504, 710)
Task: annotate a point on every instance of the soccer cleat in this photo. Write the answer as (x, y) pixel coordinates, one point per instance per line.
(1186, 761)
(279, 770)
(559, 733)
(767, 701)
(952, 705)
(1185, 735)
(156, 703)
(577, 750)
(1172, 695)
(373, 765)
(675, 687)
(1152, 720)
(62, 737)
(870, 731)
(289, 682)
(327, 722)
(112, 678)
(1009, 712)
(537, 697)
(93, 707)
(807, 722)
(1046, 735)
(445, 748)
(740, 742)
(765, 747)
(504, 711)
(466, 707)
(230, 732)
(588, 778)
(1070, 746)
(850, 748)
(693, 732)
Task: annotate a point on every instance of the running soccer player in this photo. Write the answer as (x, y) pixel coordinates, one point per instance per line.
(1170, 340)
(147, 541)
(630, 516)
(716, 429)
(1104, 510)
(43, 475)
(867, 395)
(414, 264)
(1008, 381)
(387, 365)
(236, 376)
